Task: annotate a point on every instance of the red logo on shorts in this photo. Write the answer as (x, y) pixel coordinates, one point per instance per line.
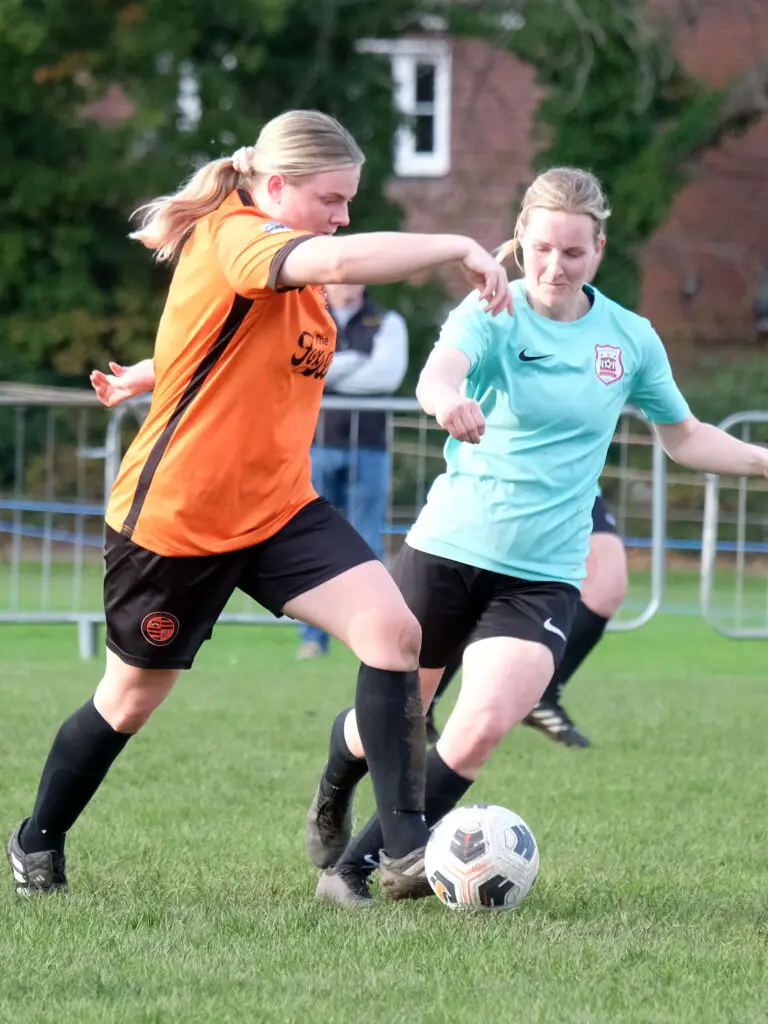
(159, 628)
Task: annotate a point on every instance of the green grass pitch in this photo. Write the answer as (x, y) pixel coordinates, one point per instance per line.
(192, 898)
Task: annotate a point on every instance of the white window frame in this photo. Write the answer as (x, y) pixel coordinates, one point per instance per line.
(405, 55)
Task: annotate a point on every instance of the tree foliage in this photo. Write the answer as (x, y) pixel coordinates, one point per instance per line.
(73, 288)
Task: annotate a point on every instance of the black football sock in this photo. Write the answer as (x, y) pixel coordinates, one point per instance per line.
(344, 770)
(586, 632)
(391, 726)
(82, 754)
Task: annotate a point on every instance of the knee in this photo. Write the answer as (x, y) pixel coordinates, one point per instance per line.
(392, 642)
(126, 702)
(408, 640)
(126, 713)
(477, 740)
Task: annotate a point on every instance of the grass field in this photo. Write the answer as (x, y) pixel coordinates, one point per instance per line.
(192, 899)
(59, 588)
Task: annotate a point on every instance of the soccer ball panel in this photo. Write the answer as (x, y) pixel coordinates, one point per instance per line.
(482, 856)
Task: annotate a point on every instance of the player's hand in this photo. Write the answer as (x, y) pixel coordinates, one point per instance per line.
(489, 278)
(242, 161)
(124, 382)
(462, 418)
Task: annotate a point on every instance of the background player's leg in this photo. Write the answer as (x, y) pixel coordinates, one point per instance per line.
(603, 592)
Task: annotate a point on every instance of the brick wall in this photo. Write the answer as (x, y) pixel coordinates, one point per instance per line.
(717, 234)
(494, 99)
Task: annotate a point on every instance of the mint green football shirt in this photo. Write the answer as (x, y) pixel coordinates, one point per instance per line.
(520, 502)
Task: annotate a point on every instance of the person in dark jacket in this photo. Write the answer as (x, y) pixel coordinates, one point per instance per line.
(351, 461)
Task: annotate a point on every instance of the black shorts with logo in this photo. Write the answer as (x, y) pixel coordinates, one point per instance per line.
(160, 610)
(457, 604)
(603, 521)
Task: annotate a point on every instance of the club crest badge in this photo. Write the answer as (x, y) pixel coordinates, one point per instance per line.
(608, 365)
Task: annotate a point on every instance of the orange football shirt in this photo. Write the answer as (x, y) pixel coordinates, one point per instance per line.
(222, 460)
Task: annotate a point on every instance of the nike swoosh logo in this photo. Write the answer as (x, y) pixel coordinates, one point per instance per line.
(531, 359)
(550, 628)
(370, 861)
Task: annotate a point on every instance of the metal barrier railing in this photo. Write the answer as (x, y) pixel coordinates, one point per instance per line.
(745, 614)
(66, 452)
(658, 531)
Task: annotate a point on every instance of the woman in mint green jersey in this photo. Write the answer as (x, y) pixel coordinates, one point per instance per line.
(496, 557)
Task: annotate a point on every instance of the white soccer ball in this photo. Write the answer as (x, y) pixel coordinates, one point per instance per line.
(482, 856)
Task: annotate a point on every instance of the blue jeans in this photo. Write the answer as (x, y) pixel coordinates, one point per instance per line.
(356, 482)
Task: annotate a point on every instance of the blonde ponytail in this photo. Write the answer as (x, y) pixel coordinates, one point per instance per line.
(295, 145)
(166, 222)
(507, 249)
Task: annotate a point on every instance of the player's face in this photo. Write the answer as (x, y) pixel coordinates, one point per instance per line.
(560, 253)
(318, 203)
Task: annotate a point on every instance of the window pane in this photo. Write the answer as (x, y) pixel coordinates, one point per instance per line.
(425, 83)
(424, 133)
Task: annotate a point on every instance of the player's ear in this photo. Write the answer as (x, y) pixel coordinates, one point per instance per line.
(275, 184)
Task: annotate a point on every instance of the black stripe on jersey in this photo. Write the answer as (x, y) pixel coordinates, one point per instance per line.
(232, 324)
(234, 320)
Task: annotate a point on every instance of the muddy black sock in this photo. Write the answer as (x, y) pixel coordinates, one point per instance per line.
(391, 726)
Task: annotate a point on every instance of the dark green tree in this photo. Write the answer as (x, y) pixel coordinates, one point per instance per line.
(73, 288)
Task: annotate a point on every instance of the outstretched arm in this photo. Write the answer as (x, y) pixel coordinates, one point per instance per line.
(385, 256)
(706, 448)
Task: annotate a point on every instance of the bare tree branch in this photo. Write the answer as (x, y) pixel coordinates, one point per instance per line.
(744, 103)
(747, 98)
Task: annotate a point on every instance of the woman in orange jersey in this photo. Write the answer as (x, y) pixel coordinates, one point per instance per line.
(214, 494)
